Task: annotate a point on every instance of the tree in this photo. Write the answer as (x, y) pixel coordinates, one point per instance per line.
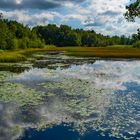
(89, 39)
(133, 10)
(72, 39)
(1, 16)
(14, 35)
(139, 34)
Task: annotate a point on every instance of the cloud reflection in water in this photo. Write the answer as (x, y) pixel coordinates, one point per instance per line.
(103, 96)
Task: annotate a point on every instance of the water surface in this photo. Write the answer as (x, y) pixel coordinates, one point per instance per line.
(59, 97)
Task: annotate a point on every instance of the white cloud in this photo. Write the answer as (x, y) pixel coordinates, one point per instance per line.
(38, 18)
(107, 17)
(103, 16)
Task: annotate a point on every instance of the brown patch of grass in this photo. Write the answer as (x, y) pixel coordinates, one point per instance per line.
(108, 52)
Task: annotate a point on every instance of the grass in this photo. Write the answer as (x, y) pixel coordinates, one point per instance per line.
(109, 52)
(117, 51)
(7, 56)
(21, 55)
(119, 46)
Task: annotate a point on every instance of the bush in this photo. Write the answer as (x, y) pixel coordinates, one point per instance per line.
(15, 43)
(136, 44)
(35, 44)
(3, 44)
(22, 44)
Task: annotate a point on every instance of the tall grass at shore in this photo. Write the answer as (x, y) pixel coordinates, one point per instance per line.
(97, 52)
(11, 57)
(108, 52)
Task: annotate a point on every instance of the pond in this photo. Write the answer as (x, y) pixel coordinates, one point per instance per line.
(53, 96)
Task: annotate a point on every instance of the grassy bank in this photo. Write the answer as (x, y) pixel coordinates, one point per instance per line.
(108, 52)
(13, 56)
(19, 55)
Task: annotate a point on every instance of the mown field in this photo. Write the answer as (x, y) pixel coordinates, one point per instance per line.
(98, 52)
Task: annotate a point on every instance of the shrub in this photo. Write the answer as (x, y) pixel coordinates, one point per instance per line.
(35, 44)
(136, 44)
(22, 44)
(15, 43)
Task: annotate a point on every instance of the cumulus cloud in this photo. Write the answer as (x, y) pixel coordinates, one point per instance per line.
(111, 13)
(103, 16)
(38, 18)
(33, 4)
(18, 4)
(107, 17)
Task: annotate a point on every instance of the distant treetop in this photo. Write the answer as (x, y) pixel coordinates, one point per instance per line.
(1, 16)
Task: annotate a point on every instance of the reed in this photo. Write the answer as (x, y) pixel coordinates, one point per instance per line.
(97, 52)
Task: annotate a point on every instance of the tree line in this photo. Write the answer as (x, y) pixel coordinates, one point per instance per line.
(14, 35)
(64, 35)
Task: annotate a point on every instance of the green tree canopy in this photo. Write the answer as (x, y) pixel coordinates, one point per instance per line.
(133, 10)
(14, 35)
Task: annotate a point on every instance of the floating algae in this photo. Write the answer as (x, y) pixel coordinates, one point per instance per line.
(18, 93)
(102, 97)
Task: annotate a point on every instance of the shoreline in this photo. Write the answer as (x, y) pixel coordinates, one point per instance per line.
(87, 52)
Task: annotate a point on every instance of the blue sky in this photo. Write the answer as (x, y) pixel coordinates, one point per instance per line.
(103, 16)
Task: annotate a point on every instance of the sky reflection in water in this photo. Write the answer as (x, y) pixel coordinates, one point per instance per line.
(104, 96)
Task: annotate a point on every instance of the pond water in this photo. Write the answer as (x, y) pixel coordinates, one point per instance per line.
(59, 97)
